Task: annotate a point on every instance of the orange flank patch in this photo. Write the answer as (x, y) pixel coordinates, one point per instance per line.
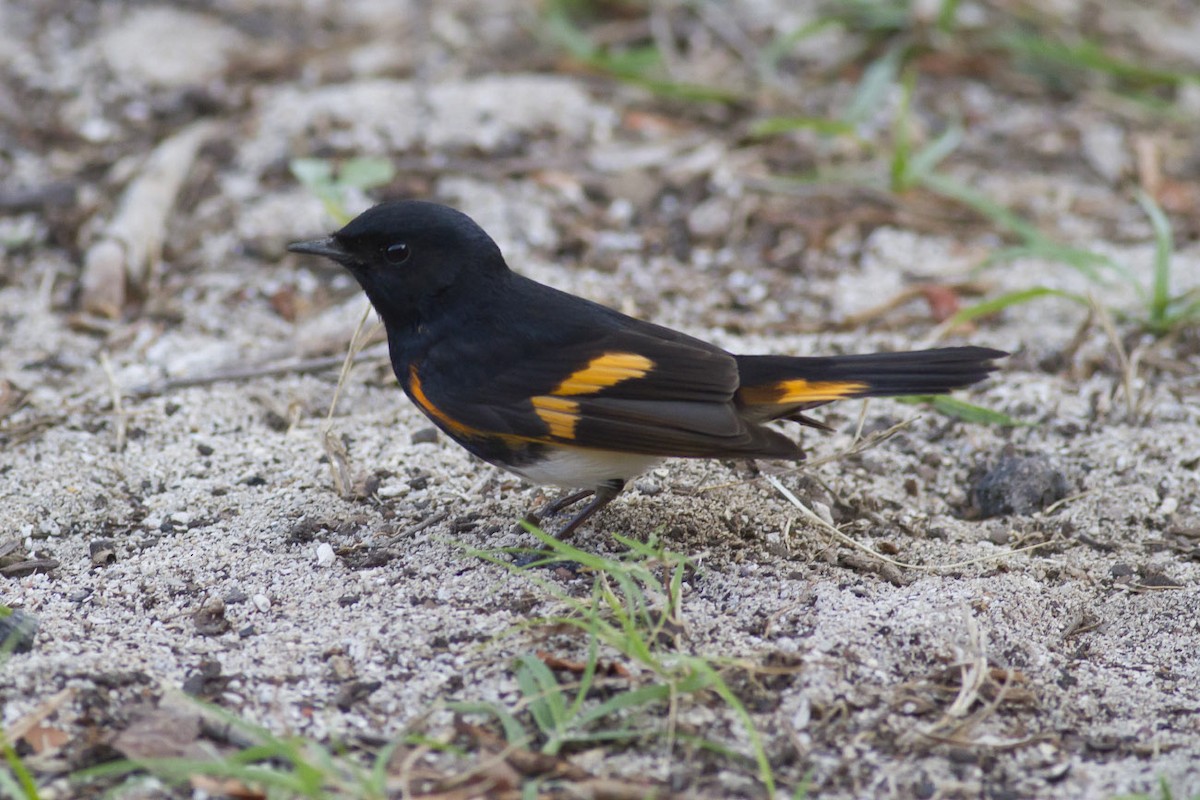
(560, 415)
(604, 371)
(435, 413)
(797, 391)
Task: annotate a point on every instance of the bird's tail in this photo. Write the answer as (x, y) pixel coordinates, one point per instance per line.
(777, 386)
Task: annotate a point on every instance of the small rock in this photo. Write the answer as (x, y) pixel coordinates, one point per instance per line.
(210, 619)
(1105, 149)
(262, 603)
(1018, 485)
(235, 596)
(354, 692)
(207, 682)
(102, 551)
(1122, 570)
(425, 435)
(648, 486)
(711, 218)
(325, 555)
(146, 47)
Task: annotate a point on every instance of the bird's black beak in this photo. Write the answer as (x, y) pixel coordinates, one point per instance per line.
(328, 247)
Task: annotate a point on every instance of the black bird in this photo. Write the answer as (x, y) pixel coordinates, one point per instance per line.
(561, 390)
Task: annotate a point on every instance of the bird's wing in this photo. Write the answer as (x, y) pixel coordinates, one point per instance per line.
(633, 388)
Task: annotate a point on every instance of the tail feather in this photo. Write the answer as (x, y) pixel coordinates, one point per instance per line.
(799, 382)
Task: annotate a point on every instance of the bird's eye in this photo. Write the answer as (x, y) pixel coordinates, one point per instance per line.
(397, 253)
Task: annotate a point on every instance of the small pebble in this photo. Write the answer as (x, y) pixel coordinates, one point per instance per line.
(102, 551)
(325, 555)
(262, 602)
(425, 436)
(823, 511)
(1019, 485)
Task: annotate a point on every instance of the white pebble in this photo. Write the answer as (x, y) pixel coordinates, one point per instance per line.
(261, 602)
(1169, 506)
(325, 555)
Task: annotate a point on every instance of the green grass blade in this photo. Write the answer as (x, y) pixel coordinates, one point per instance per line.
(366, 173)
(774, 126)
(901, 166)
(1184, 311)
(587, 678)
(999, 215)
(947, 14)
(933, 154)
(997, 304)
(877, 80)
(11, 788)
(311, 171)
(711, 679)
(514, 731)
(545, 696)
(1035, 244)
(23, 778)
(1160, 293)
(1088, 56)
(626, 701)
(774, 52)
(961, 409)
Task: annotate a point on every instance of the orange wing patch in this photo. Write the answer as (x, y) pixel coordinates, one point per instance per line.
(604, 371)
(798, 390)
(435, 413)
(561, 415)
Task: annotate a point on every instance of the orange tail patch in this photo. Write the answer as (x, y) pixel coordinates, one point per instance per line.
(799, 391)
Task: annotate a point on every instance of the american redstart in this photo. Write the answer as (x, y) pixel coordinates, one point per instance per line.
(564, 391)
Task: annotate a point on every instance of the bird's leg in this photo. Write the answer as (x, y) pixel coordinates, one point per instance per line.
(604, 494)
(553, 507)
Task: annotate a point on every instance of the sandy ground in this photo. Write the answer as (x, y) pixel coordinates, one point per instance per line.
(197, 537)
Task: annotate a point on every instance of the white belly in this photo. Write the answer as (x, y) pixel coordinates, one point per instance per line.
(577, 468)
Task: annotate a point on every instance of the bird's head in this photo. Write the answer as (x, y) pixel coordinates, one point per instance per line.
(409, 254)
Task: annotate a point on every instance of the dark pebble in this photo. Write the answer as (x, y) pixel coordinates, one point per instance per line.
(354, 692)
(210, 619)
(102, 551)
(1018, 485)
(235, 596)
(425, 436)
